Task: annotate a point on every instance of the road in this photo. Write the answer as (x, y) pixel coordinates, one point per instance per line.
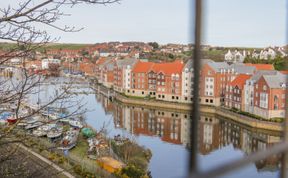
(45, 160)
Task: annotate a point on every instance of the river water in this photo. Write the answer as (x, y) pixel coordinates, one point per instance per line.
(166, 134)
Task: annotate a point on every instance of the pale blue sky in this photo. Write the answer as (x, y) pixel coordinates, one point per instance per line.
(248, 23)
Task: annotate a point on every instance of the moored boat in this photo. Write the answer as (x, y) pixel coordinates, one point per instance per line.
(34, 125)
(70, 139)
(55, 132)
(76, 124)
(31, 120)
(12, 119)
(39, 133)
(42, 130)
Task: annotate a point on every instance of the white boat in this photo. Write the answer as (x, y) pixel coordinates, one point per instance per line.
(31, 120)
(43, 130)
(70, 139)
(53, 116)
(76, 124)
(39, 133)
(55, 132)
(67, 120)
(34, 125)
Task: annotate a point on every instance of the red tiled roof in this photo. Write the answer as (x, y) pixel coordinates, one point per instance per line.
(101, 60)
(142, 67)
(169, 68)
(261, 66)
(284, 71)
(240, 80)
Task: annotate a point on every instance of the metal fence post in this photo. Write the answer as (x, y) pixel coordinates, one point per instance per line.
(193, 167)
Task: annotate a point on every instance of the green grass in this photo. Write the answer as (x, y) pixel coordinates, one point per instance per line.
(7, 46)
(67, 46)
(81, 148)
(276, 119)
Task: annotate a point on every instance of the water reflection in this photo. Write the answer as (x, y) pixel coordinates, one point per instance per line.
(173, 127)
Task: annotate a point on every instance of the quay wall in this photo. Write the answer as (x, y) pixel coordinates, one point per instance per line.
(251, 122)
(245, 120)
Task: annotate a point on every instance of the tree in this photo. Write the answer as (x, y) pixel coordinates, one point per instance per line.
(155, 45)
(22, 23)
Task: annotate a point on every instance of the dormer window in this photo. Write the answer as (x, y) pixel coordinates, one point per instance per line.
(177, 76)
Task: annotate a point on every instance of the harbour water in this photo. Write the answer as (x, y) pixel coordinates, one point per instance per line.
(166, 134)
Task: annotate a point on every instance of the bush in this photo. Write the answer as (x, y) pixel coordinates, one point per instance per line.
(82, 172)
(131, 171)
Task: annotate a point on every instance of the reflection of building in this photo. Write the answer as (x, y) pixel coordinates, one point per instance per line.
(208, 134)
(174, 127)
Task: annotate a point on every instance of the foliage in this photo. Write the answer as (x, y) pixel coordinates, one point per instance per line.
(279, 63)
(83, 172)
(155, 45)
(130, 171)
(133, 154)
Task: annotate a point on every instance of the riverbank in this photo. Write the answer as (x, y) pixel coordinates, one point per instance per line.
(245, 120)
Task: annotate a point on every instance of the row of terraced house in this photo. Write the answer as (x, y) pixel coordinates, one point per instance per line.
(254, 88)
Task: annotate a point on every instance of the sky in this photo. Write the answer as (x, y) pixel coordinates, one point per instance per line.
(243, 23)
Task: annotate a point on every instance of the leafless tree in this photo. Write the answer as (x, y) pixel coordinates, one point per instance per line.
(23, 24)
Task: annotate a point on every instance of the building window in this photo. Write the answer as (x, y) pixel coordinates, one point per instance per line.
(177, 97)
(186, 98)
(211, 100)
(133, 91)
(173, 97)
(142, 92)
(163, 96)
(128, 91)
(206, 100)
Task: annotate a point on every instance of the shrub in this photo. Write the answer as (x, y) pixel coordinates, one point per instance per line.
(132, 171)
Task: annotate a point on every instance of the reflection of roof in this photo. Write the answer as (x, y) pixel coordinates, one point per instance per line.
(261, 66)
(240, 80)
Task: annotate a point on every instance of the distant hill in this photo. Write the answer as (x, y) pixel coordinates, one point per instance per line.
(7, 46)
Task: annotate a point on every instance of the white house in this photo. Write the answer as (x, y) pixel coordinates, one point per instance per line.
(187, 82)
(15, 61)
(267, 54)
(235, 56)
(46, 62)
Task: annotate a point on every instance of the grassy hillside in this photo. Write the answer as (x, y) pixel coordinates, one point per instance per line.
(66, 46)
(7, 46)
